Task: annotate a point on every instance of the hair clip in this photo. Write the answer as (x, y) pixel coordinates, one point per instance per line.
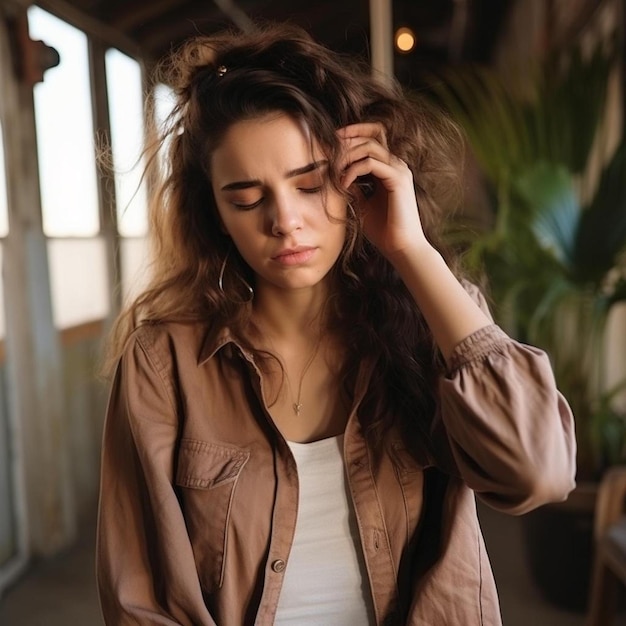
(221, 70)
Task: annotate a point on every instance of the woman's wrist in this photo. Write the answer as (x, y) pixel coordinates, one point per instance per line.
(416, 259)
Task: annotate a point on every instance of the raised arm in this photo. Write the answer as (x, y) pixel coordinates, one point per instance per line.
(508, 430)
(392, 223)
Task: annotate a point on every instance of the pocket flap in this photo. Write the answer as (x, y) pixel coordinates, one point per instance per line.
(204, 465)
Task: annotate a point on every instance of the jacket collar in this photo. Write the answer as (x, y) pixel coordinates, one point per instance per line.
(213, 341)
(223, 338)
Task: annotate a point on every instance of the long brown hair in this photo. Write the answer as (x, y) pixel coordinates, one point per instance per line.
(222, 79)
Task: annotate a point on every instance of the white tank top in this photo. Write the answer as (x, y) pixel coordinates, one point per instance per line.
(325, 579)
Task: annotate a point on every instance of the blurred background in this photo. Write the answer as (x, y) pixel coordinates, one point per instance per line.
(537, 85)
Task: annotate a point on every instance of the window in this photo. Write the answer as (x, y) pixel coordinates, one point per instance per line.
(68, 178)
(125, 89)
(65, 132)
(78, 280)
(164, 101)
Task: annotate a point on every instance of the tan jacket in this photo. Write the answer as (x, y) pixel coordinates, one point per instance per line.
(199, 489)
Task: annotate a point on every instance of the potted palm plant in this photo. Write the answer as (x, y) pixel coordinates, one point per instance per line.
(554, 256)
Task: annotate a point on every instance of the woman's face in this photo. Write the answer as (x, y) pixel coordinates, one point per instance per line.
(274, 200)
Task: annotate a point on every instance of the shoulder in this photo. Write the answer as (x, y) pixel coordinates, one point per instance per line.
(157, 356)
(164, 342)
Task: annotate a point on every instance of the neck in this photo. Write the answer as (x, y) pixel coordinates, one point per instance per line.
(290, 315)
(291, 326)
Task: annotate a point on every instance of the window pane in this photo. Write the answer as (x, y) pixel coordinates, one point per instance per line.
(135, 254)
(125, 88)
(4, 217)
(164, 101)
(78, 281)
(65, 131)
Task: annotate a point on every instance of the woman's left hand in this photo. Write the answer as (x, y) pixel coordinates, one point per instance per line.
(391, 218)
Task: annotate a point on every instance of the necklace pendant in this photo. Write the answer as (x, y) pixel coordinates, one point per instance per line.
(297, 407)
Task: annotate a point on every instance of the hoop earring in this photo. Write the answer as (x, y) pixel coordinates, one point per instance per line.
(220, 281)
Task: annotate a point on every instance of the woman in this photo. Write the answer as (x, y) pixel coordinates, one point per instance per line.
(307, 398)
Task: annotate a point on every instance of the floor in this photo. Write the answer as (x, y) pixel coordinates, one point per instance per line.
(61, 591)
(57, 592)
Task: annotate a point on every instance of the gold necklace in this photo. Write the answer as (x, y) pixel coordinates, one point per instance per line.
(297, 405)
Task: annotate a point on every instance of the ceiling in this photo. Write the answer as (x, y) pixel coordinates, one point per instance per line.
(445, 29)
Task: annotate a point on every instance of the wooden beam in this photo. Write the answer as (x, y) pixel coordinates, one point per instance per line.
(81, 332)
(164, 34)
(622, 14)
(236, 14)
(140, 13)
(91, 26)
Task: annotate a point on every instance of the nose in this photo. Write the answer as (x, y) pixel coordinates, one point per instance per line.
(285, 216)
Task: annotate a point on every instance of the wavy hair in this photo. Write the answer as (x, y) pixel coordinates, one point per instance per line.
(219, 80)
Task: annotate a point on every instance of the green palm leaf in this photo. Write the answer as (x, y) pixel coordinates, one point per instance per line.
(554, 268)
(553, 203)
(601, 236)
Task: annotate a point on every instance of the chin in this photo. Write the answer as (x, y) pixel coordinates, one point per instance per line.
(298, 282)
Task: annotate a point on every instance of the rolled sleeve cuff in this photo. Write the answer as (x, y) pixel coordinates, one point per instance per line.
(477, 346)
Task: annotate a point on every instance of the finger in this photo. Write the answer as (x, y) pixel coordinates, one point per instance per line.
(370, 155)
(370, 166)
(365, 129)
(360, 148)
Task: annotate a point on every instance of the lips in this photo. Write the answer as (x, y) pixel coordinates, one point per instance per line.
(294, 256)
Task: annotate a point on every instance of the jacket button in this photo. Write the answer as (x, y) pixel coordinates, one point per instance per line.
(278, 566)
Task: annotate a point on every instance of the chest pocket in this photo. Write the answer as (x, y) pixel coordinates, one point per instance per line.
(208, 474)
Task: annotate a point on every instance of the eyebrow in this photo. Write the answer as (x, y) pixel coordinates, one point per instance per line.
(247, 184)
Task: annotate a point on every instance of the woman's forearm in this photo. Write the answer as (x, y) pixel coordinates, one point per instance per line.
(449, 310)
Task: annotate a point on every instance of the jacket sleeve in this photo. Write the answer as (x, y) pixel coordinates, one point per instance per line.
(509, 430)
(145, 567)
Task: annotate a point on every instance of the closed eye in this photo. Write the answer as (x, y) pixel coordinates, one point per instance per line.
(311, 189)
(248, 207)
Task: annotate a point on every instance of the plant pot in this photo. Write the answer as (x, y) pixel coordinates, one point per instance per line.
(559, 540)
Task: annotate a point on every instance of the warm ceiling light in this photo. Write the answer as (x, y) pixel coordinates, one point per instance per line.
(405, 39)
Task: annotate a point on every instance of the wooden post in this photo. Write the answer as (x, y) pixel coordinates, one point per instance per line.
(381, 36)
(106, 177)
(36, 401)
(622, 14)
